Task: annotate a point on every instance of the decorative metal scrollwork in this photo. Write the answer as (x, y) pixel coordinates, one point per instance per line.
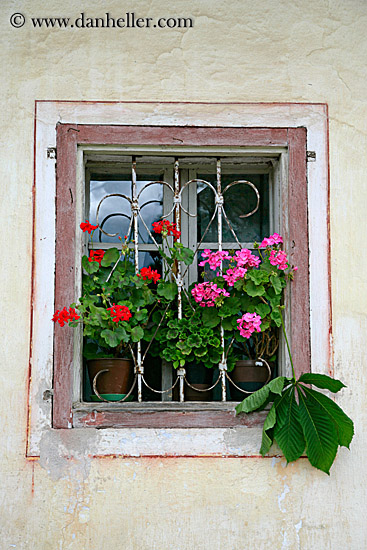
(177, 207)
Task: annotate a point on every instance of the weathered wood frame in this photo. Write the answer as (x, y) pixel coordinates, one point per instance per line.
(294, 227)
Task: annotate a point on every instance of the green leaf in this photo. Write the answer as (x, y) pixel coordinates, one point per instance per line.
(320, 433)
(253, 290)
(263, 310)
(184, 347)
(276, 282)
(277, 317)
(258, 398)
(90, 350)
(273, 298)
(137, 298)
(288, 431)
(194, 341)
(231, 306)
(344, 424)
(167, 290)
(141, 315)
(210, 317)
(185, 255)
(110, 337)
(245, 302)
(137, 334)
(267, 439)
(227, 323)
(322, 381)
(89, 267)
(258, 276)
(111, 255)
(277, 385)
(171, 334)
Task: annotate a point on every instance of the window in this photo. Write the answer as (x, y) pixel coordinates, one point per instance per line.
(95, 129)
(248, 215)
(243, 154)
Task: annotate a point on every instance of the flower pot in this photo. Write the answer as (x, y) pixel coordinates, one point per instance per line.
(201, 378)
(250, 376)
(192, 395)
(117, 380)
(110, 397)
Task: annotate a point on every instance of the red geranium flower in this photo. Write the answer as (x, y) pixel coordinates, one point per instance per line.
(64, 316)
(86, 226)
(119, 313)
(166, 228)
(147, 273)
(96, 256)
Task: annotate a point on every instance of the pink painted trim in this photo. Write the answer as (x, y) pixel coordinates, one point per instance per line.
(69, 135)
(66, 145)
(298, 248)
(178, 135)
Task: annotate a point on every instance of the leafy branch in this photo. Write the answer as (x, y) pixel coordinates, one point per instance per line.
(302, 419)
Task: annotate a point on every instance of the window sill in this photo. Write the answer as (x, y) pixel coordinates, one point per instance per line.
(162, 415)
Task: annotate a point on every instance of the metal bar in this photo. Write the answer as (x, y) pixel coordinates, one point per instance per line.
(219, 201)
(181, 374)
(177, 204)
(135, 211)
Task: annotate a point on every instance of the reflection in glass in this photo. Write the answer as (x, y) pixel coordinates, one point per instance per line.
(239, 199)
(152, 259)
(115, 212)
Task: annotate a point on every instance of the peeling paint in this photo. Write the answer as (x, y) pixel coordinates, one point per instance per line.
(282, 497)
(298, 527)
(63, 452)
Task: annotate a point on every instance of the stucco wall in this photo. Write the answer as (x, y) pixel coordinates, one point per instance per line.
(284, 51)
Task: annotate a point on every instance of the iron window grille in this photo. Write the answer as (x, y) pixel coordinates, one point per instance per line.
(220, 203)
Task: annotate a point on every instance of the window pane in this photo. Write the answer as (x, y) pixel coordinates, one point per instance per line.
(239, 199)
(115, 212)
(151, 206)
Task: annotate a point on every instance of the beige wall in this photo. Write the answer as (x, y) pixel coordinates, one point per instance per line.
(238, 50)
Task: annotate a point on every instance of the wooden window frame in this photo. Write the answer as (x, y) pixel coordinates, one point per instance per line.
(67, 414)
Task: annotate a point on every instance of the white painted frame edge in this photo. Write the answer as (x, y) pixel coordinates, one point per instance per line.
(167, 442)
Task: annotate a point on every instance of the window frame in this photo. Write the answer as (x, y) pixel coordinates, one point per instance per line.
(69, 413)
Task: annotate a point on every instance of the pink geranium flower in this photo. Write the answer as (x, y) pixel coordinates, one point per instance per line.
(206, 294)
(214, 259)
(232, 275)
(249, 323)
(244, 257)
(279, 259)
(271, 241)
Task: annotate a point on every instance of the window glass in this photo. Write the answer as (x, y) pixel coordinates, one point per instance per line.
(238, 200)
(115, 211)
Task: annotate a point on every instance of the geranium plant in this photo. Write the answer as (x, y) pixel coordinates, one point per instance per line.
(187, 341)
(116, 303)
(244, 295)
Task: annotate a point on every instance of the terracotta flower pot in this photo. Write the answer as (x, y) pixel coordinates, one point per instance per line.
(118, 379)
(250, 376)
(192, 395)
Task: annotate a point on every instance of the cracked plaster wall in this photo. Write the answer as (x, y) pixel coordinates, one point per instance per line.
(265, 51)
